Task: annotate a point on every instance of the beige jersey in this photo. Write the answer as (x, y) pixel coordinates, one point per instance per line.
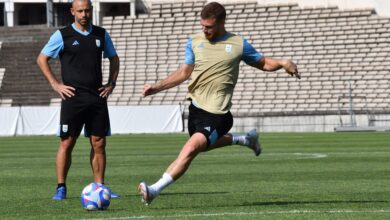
(216, 70)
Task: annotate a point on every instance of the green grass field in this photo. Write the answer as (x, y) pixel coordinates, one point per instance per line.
(298, 176)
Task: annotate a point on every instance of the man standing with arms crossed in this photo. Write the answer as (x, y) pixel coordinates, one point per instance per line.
(84, 98)
(212, 61)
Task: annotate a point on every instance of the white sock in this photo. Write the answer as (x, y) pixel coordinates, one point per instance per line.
(240, 139)
(161, 184)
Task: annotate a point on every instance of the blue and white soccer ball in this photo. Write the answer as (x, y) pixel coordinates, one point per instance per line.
(95, 197)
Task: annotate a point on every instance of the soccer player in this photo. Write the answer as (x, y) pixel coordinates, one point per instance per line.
(212, 61)
(84, 98)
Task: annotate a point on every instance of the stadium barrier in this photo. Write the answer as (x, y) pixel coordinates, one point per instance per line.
(124, 120)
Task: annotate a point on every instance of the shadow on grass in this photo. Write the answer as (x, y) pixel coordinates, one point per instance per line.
(162, 194)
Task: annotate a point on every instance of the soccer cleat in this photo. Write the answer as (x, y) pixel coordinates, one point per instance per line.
(253, 138)
(114, 195)
(145, 193)
(60, 193)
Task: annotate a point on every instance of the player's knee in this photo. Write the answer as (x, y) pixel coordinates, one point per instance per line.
(98, 141)
(67, 144)
(98, 144)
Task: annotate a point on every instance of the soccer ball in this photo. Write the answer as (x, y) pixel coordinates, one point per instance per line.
(95, 196)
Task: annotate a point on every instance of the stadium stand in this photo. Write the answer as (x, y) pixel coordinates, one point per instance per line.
(22, 82)
(3, 102)
(332, 47)
(2, 70)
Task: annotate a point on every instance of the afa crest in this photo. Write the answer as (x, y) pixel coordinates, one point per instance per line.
(64, 128)
(228, 48)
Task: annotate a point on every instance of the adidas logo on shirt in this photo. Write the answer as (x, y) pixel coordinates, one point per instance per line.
(75, 43)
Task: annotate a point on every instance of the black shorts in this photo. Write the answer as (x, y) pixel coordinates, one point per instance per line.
(212, 126)
(84, 109)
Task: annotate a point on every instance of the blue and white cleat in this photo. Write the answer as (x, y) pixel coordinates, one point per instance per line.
(60, 193)
(114, 195)
(253, 141)
(145, 193)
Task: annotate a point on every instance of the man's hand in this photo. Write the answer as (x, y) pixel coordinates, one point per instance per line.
(291, 68)
(148, 90)
(63, 90)
(106, 90)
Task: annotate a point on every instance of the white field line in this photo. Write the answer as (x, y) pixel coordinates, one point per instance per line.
(311, 155)
(221, 214)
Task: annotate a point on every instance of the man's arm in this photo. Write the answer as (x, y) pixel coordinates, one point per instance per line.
(63, 90)
(174, 79)
(107, 89)
(270, 64)
(114, 69)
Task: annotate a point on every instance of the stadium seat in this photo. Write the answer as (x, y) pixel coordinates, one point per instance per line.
(331, 46)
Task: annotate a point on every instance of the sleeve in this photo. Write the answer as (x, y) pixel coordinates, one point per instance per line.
(189, 53)
(250, 55)
(109, 49)
(54, 46)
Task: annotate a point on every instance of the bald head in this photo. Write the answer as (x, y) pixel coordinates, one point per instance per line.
(75, 2)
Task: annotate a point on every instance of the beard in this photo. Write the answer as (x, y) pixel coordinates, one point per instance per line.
(84, 21)
(209, 37)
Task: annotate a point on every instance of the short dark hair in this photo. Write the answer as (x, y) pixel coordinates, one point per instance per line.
(213, 10)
